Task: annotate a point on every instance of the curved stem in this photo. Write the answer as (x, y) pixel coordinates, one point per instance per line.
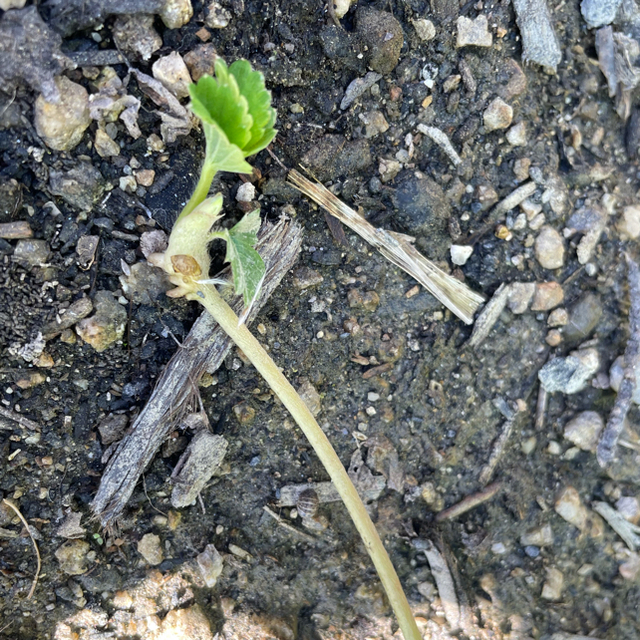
(201, 191)
(261, 360)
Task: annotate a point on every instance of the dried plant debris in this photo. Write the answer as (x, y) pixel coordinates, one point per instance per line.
(617, 55)
(625, 529)
(452, 293)
(441, 139)
(539, 40)
(30, 51)
(176, 120)
(196, 466)
(489, 315)
(609, 440)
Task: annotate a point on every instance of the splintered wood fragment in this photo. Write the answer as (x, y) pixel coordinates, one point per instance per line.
(34, 583)
(452, 293)
(541, 408)
(444, 581)
(609, 439)
(442, 140)
(498, 450)
(539, 40)
(204, 349)
(16, 417)
(15, 230)
(489, 316)
(470, 502)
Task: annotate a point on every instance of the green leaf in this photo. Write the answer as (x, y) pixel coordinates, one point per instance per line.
(219, 101)
(251, 85)
(221, 153)
(246, 264)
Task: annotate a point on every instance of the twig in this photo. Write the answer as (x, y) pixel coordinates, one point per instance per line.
(496, 454)
(444, 581)
(35, 546)
(204, 349)
(609, 438)
(625, 529)
(16, 417)
(489, 316)
(452, 293)
(541, 408)
(442, 140)
(470, 502)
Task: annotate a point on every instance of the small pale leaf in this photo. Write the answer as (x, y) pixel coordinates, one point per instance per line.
(246, 264)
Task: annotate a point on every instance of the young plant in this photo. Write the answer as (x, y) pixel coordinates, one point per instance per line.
(238, 120)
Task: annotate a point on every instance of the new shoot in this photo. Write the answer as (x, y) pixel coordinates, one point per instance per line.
(237, 117)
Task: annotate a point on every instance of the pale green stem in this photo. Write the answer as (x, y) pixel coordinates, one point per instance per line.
(227, 319)
(201, 191)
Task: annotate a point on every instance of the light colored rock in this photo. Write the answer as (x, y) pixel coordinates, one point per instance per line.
(32, 252)
(388, 169)
(61, 125)
(374, 122)
(310, 397)
(552, 588)
(105, 145)
(135, 35)
(567, 375)
(599, 13)
(210, 565)
(176, 13)
(547, 296)
(145, 177)
(425, 29)
(5, 5)
(498, 115)
(150, 548)
(584, 430)
(630, 568)
(460, 253)
(570, 507)
(341, 7)
(520, 295)
(558, 318)
(72, 557)
(549, 248)
(217, 16)
(172, 71)
(629, 508)
(629, 223)
(246, 192)
(517, 135)
(189, 623)
(473, 32)
(538, 537)
(106, 326)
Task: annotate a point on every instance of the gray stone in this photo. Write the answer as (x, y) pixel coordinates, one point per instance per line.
(517, 135)
(567, 375)
(549, 248)
(584, 430)
(599, 13)
(72, 557)
(31, 252)
(150, 548)
(520, 296)
(10, 199)
(382, 34)
(81, 187)
(374, 122)
(136, 36)
(422, 205)
(210, 565)
(62, 124)
(106, 326)
(357, 87)
(424, 29)
(583, 318)
(172, 71)
(473, 32)
(498, 115)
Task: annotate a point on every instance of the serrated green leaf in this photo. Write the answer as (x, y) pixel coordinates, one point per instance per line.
(251, 85)
(246, 264)
(223, 154)
(219, 101)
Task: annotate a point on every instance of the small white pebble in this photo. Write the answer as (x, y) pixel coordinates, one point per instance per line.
(246, 192)
(373, 397)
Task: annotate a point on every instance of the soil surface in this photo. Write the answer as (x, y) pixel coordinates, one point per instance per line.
(394, 378)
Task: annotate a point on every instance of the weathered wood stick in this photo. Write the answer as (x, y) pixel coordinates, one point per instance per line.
(204, 349)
